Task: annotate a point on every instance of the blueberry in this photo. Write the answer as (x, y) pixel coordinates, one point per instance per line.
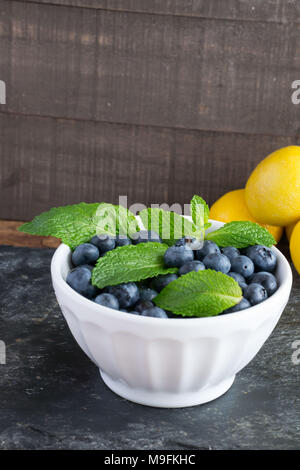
(123, 310)
(104, 243)
(267, 280)
(107, 300)
(154, 312)
(207, 249)
(231, 252)
(86, 253)
(134, 312)
(243, 286)
(121, 240)
(218, 262)
(177, 256)
(88, 266)
(143, 305)
(194, 265)
(147, 294)
(127, 294)
(184, 241)
(242, 305)
(242, 265)
(191, 242)
(163, 280)
(255, 293)
(80, 280)
(144, 236)
(263, 257)
(237, 277)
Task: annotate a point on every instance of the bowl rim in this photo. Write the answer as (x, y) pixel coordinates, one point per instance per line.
(63, 251)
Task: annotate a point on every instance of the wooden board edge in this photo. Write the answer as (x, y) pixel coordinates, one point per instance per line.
(9, 235)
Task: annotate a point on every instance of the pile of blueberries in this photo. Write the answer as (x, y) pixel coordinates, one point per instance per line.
(252, 268)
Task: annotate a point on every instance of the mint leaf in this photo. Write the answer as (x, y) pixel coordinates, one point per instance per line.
(241, 234)
(169, 225)
(200, 212)
(72, 224)
(80, 222)
(200, 294)
(130, 263)
(114, 220)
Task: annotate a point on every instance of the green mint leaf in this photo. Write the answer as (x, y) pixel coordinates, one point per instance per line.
(114, 220)
(72, 224)
(169, 225)
(200, 213)
(241, 234)
(78, 223)
(201, 294)
(130, 263)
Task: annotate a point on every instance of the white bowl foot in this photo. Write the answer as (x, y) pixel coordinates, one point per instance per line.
(166, 399)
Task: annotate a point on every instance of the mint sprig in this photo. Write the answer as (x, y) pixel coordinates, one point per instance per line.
(200, 294)
(78, 223)
(72, 224)
(200, 212)
(114, 220)
(130, 263)
(169, 225)
(241, 234)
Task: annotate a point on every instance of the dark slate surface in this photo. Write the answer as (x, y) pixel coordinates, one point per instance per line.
(51, 395)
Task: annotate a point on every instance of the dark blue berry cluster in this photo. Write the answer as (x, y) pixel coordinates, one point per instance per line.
(252, 268)
(128, 297)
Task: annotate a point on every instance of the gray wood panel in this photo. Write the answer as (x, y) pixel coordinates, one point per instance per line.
(249, 10)
(47, 162)
(109, 99)
(152, 70)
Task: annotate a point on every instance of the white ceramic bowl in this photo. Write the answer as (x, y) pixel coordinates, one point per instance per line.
(168, 362)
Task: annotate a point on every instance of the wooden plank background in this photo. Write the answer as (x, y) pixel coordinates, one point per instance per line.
(156, 100)
(249, 10)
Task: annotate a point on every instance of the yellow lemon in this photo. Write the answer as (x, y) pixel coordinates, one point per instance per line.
(295, 247)
(232, 206)
(289, 229)
(273, 188)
